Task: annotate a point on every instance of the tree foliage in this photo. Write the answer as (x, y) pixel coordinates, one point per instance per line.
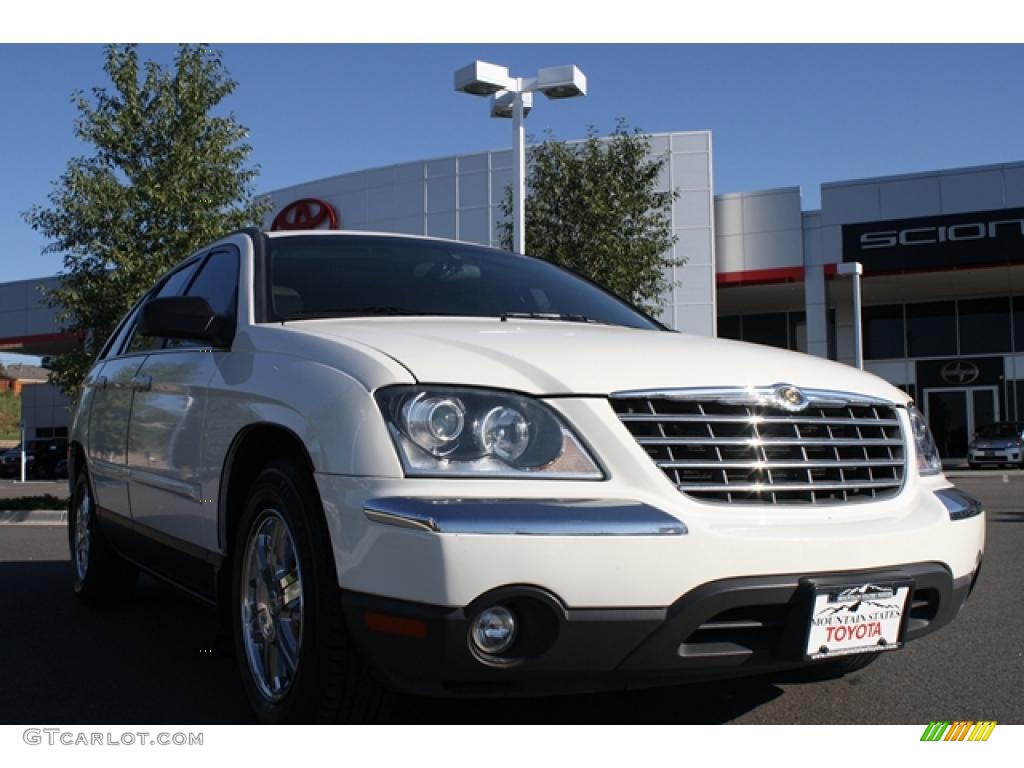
(166, 176)
(594, 206)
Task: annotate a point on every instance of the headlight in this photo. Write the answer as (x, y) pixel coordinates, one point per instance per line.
(452, 431)
(928, 460)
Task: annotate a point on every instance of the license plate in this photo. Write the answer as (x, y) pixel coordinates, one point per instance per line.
(863, 618)
(988, 453)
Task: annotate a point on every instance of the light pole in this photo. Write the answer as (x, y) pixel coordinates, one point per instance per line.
(22, 426)
(853, 270)
(513, 97)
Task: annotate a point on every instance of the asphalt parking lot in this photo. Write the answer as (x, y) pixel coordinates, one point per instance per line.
(156, 660)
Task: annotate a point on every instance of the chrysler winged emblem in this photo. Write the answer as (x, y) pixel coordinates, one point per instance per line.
(789, 398)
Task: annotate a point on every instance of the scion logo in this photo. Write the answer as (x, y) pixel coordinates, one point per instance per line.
(958, 730)
(960, 372)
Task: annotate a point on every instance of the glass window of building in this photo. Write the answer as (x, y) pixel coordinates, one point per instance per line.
(729, 327)
(984, 326)
(883, 332)
(1018, 323)
(931, 329)
(798, 331)
(771, 329)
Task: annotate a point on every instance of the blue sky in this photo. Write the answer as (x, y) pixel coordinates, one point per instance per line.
(780, 115)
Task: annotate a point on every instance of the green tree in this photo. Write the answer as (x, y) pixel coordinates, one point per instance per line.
(167, 175)
(594, 206)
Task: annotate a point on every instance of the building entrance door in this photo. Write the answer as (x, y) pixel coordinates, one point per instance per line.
(954, 413)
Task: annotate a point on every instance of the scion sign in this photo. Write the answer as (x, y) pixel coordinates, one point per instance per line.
(966, 239)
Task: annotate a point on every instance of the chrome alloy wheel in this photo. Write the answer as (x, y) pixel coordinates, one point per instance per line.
(82, 539)
(271, 596)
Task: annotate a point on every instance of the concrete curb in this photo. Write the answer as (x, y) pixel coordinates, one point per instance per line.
(33, 516)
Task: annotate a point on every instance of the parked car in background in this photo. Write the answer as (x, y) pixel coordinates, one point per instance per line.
(10, 462)
(43, 459)
(997, 444)
(411, 464)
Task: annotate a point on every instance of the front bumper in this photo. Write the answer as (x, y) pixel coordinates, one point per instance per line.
(622, 593)
(734, 627)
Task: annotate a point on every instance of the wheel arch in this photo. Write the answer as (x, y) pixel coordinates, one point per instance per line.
(251, 450)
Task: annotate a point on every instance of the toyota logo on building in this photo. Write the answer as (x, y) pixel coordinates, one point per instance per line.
(307, 213)
(960, 372)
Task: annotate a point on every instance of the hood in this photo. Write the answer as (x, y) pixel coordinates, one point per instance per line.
(554, 358)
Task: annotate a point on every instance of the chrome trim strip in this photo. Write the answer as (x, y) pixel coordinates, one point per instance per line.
(108, 470)
(960, 505)
(823, 398)
(754, 442)
(168, 484)
(732, 419)
(524, 517)
(787, 464)
(766, 487)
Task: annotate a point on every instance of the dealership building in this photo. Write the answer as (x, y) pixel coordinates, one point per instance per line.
(942, 255)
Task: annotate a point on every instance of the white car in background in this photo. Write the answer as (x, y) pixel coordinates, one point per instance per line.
(410, 464)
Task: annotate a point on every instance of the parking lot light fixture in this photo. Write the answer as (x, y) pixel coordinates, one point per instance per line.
(512, 97)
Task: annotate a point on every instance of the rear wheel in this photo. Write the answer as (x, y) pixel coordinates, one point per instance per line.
(295, 656)
(100, 574)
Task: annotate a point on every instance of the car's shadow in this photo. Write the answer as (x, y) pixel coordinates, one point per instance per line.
(156, 661)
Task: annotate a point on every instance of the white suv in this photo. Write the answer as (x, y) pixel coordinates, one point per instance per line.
(410, 464)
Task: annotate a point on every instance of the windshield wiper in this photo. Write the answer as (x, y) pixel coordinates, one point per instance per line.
(374, 311)
(567, 317)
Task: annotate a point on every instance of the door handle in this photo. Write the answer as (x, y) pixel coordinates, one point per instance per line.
(100, 382)
(142, 383)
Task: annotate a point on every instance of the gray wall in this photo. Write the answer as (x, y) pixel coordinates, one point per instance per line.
(44, 405)
(23, 311)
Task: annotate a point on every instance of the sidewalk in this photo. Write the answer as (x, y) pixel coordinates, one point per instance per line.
(33, 517)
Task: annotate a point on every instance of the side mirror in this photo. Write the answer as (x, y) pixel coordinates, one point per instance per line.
(185, 317)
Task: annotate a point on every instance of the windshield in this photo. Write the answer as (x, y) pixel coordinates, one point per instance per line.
(997, 430)
(354, 276)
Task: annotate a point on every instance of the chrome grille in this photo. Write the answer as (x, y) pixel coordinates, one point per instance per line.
(745, 446)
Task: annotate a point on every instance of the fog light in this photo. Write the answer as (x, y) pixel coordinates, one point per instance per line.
(494, 630)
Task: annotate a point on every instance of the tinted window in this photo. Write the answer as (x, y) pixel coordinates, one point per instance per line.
(176, 283)
(173, 286)
(931, 329)
(984, 326)
(218, 282)
(359, 276)
(883, 332)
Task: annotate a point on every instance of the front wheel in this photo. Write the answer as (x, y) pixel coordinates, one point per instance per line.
(296, 659)
(100, 574)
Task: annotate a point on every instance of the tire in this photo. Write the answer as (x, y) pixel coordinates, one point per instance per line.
(295, 657)
(100, 574)
(973, 466)
(835, 668)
